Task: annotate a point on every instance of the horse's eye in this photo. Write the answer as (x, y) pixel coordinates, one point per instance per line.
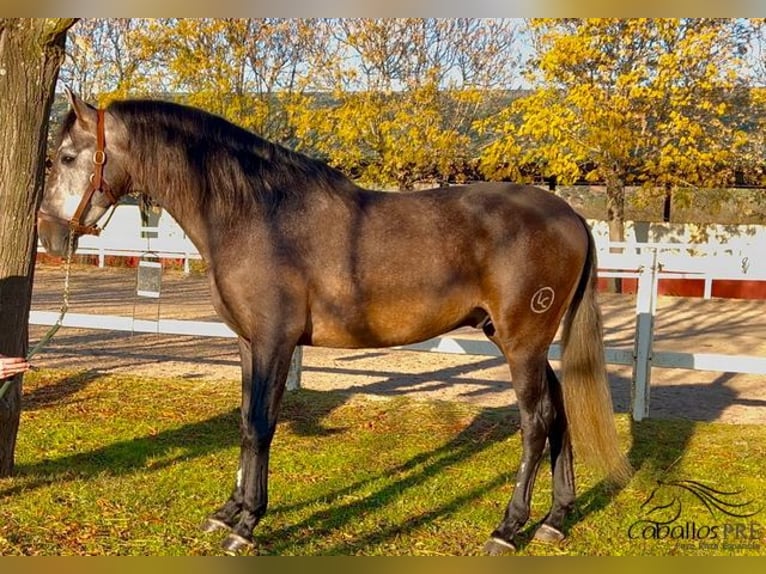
(67, 159)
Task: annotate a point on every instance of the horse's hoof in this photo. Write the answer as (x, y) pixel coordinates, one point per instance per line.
(234, 543)
(213, 524)
(496, 546)
(549, 535)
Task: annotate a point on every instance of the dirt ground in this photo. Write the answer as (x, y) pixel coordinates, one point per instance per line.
(682, 324)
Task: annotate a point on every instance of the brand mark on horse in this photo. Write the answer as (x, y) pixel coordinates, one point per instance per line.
(542, 300)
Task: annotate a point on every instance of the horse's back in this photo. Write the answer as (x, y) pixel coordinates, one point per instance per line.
(492, 223)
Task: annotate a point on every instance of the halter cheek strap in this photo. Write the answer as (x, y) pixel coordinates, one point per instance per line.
(97, 183)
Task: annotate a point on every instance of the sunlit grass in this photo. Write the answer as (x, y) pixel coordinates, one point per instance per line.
(128, 465)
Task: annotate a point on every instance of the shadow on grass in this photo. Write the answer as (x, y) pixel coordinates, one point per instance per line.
(305, 412)
(305, 409)
(123, 457)
(488, 427)
(58, 392)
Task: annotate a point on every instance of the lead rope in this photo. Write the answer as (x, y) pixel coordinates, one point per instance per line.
(55, 327)
(65, 304)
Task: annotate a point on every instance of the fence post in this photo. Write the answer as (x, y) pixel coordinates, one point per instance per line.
(646, 307)
(294, 375)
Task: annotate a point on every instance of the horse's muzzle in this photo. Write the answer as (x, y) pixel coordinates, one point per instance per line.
(54, 234)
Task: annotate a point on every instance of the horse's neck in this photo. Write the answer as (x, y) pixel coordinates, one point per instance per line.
(178, 197)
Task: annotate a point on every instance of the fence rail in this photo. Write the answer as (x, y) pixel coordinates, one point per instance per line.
(693, 261)
(645, 262)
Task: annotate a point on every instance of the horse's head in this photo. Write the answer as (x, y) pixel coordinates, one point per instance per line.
(88, 175)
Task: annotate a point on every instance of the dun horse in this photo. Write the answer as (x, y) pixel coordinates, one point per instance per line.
(297, 254)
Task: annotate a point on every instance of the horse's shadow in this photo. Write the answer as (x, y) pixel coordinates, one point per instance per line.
(488, 427)
(163, 449)
(305, 411)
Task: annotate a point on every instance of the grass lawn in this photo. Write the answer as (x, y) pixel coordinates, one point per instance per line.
(120, 465)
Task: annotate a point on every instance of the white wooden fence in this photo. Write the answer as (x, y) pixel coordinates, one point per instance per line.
(125, 237)
(647, 262)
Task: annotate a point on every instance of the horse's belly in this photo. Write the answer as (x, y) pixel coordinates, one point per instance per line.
(385, 325)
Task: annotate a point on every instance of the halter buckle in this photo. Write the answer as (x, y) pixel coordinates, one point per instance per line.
(81, 229)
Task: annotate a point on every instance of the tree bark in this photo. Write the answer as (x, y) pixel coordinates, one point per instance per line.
(615, 215)
(667, 204)
(31, 52)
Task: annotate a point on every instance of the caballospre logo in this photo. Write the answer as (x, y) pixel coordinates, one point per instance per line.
(730, 517)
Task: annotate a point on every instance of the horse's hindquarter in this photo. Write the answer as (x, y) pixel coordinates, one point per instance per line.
(399, 268)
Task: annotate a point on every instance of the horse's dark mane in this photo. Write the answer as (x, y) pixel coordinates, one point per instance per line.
(233, 165)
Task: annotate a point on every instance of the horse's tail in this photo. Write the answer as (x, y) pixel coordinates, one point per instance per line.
(587, 399)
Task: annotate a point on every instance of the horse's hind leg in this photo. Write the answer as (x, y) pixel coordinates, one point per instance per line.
(561, 466)
(528, 374)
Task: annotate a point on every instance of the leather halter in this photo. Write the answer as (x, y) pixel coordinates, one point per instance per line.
(96, 183)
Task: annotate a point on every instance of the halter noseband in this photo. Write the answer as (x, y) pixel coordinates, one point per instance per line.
(96, 183)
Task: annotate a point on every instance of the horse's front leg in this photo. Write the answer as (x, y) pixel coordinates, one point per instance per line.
(228, 515)
(261, 396)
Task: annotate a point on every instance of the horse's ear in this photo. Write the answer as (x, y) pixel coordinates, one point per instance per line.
(85, 113)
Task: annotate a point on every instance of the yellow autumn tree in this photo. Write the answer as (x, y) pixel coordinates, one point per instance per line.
(752, 110)
(104, 60)
(389, 138)
(392, 101)
(625, 102)
(401, 95)
(247, 70)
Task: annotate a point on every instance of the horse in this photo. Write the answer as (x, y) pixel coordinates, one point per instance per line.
(298, 254)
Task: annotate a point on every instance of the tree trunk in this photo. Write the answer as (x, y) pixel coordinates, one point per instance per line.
(667, 204)
(615, 215)
(31, 52)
